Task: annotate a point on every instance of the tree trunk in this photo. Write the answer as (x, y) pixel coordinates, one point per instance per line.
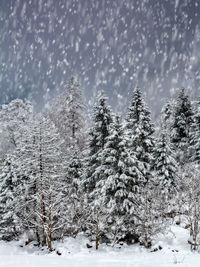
(97, 236)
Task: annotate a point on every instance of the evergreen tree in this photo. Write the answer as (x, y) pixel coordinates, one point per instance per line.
(167, 118)
(167, 112)
(73, 196)
(7, 201)
(180, 135)
(118, 185)
(139, 130)
(165, 165)
(102, 118)
(195, 135)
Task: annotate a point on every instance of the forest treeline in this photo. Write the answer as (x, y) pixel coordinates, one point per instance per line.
(113, 179)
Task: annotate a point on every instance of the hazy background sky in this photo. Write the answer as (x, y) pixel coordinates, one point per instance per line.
(106, 44)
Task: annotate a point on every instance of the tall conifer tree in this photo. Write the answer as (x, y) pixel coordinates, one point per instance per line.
(165, 165)
(195, 135)
(102, 118)
(119, 182)
(180, 135)
(139, 130)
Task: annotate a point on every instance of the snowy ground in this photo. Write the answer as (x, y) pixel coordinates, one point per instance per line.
(74, 253)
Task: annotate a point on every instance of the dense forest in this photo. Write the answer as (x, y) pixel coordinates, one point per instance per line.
(65, 172)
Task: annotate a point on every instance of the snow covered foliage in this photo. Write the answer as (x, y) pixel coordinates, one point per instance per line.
(119, 182)
(150, 219)
(39, 161)
(122, 184)
(68, 112)
(74, 203)
(180, 135)
(7, 201)
(195, 135)
(165, 165)
(191, 202)
(12, 117)
(139, 131)
(102, 118)
(166, 120)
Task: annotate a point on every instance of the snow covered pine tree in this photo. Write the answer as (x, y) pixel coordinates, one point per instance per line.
(74, 197)
(139, 131)
(165, 165)
(102, 118)
(180, 135)
(118, 186)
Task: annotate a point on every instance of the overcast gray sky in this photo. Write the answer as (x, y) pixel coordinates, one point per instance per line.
(106, 44)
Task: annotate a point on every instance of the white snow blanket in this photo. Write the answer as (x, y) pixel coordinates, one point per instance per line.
(175, 251)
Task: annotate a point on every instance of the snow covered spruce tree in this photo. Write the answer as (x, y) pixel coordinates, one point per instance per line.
(165, 166)
(8, 226)
(166, 119)
(74, 198)
(102, 118)
(139, 131)
(195, 136)
(118, 185)
(167, 112)
(166, 180)
(180, 135)
(40, 195)
(68, 113)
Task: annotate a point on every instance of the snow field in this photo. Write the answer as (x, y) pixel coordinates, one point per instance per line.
(175, 251)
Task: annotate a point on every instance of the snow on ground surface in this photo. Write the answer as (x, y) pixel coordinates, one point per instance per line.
(175, 251)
